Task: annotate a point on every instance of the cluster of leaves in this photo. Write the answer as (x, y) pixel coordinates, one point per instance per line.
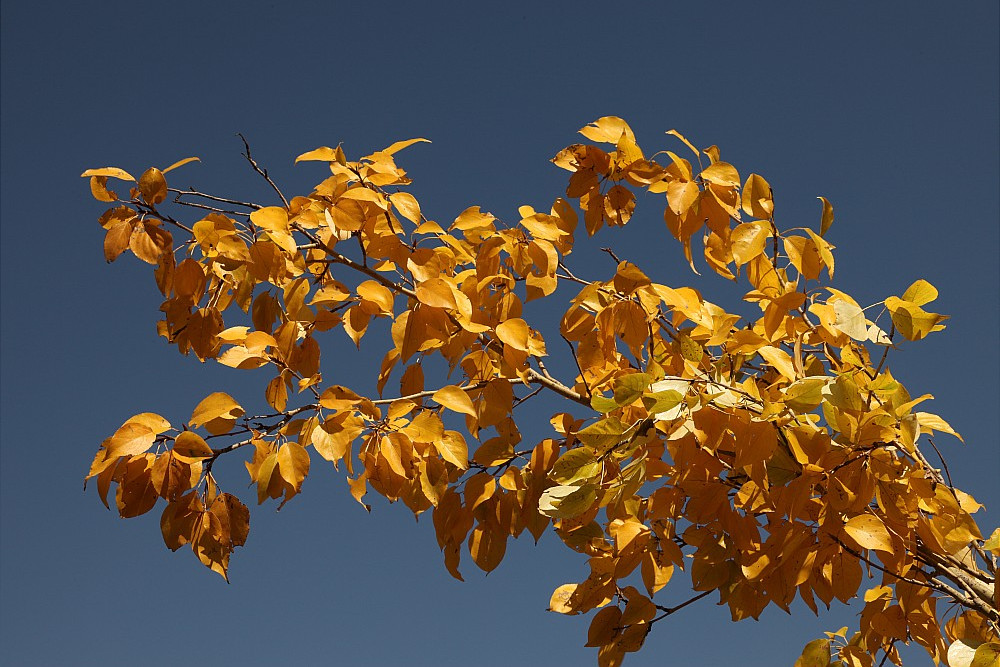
(772, 456)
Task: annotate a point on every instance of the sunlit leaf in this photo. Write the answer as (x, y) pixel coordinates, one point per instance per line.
(869, 532)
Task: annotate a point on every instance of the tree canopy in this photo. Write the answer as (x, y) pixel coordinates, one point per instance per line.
(768, 454)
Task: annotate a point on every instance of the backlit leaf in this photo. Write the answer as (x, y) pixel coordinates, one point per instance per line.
(129, 440)
(217, 413)
(400, 145)
(920, 293)
(565, 502)
(815, 654)
(850, 319)
(869, 532)
(455, 399)
(112, 172)
(181, 163)
(514, 332)
(453, 449)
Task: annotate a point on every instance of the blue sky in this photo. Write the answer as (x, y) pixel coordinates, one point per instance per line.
(890, 110)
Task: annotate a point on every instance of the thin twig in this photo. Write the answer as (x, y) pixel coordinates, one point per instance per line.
(613, 255)
(578, 366)
(194, 193)
(260, 170)
(667, 611)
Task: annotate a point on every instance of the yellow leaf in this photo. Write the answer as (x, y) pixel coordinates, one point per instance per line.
(130, 440)
(377, 294)
(815, 654)
(99, 189)
(217, 412)
(920, 292)
(271, 218)
(322, 154)
(850, 319)
(407, 205)
(455, 399)
(276, 393)
(779, 359)
(561, 597)
(361, 193)
(117, 239)
(293, 463)
(359, 488)
(514, 332)
(113, 172)
(993, 543)
(804, 256)
(758, 200)
(233, 516)
(869, 532)
(191, 446)
(805, 394)
(687, 143)
(911, 320)
(400, 145)
(153, 186)
(935, 423)
(151, 420)
(827, 218)
(566, 502)
(722, 173)
(426, 427)
(608, 130)
(437, 293)
(240, 357)
(747, 241)
(181, 163)
(453, 449)
(263, 477)
(639, 609)
(579, 464)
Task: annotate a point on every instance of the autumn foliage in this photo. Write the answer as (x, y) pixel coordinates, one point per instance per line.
(769, 454)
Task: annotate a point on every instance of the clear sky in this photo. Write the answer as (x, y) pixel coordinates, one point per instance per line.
(888, 109)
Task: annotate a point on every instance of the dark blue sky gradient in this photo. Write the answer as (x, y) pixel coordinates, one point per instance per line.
(890, 110)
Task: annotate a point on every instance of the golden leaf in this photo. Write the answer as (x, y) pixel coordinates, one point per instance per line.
(455, 399)
(153, 186)
(400, 145)
(181, 163)
(113, 172)
(747, 241)
(271, 218)
(437, 293)
(561, 599)
(129, 440)
(191, 447)
(323, 154)
(868, 531)
(722, 173)
(453, 449)
(608, 130)
(407, 205)
(293, 463)
(217, 413)
(758, 200)
(920, 293)
(514, 332)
